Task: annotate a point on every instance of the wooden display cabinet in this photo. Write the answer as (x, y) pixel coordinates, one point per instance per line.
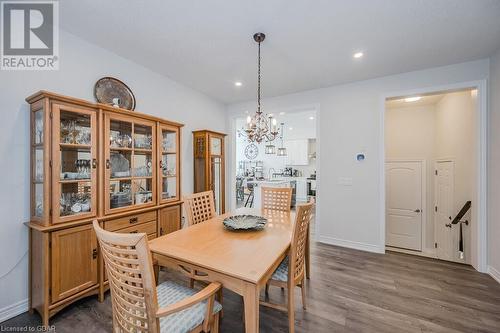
(93, 161)
(209, 161)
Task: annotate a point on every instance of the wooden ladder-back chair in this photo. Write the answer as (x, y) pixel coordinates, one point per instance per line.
(199, 207)
(141, 306)
(276, 198)
(291, 271)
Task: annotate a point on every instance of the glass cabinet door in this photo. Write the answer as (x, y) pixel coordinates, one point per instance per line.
(130, 163)
(216, 171)
(74, 163)
(39, 164)
(169, 163)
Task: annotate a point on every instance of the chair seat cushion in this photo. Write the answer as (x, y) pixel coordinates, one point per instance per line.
(186, 320)
(281, 273)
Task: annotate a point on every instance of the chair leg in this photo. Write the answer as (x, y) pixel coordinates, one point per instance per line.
(303, 290)
(191, 283)
(215, 325)
(220, 297)
(291, 309)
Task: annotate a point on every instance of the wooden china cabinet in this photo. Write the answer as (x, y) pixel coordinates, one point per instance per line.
(93, 161)
(209, 159)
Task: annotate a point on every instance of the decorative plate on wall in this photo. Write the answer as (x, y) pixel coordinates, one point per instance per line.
(109, 90)
(251, 151)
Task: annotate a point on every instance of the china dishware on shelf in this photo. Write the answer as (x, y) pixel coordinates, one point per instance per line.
(143, 141)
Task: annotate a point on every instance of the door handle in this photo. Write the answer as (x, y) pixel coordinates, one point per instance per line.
(417, 210)
(448, 225)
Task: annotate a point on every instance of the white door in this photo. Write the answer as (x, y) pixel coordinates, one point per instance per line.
(404, 205)
(443, 209)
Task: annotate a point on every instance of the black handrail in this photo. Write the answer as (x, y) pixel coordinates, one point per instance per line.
(461, 213)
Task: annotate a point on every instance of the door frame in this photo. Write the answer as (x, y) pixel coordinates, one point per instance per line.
(479, 261)
(441, 160)
(230, 161)
(423, 198)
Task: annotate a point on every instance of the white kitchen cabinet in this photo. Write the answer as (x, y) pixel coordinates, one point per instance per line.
(301, 189)
(297, 152)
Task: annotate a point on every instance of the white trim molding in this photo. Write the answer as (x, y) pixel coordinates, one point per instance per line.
(350, 244)
(494, 273)
(13, 310)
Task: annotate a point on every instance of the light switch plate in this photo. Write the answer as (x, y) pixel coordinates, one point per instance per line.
(345, 181)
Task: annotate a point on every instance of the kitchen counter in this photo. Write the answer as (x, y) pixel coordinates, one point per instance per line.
(258, 184)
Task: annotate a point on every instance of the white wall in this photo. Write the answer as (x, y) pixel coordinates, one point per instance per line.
(81, 65)
(456, 140)
(349, 121)
(494, 169)
(410, 133)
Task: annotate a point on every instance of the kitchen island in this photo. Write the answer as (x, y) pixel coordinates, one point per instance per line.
(258, 184)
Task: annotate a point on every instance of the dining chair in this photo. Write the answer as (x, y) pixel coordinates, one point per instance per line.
(276, 198)
(141, 306)
(291, 271)
(199, 207)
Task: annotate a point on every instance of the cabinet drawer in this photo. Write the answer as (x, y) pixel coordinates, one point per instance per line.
(148, 228)
(151, 236)
(129, 221)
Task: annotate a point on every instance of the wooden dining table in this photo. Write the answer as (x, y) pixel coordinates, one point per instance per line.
(242, 261)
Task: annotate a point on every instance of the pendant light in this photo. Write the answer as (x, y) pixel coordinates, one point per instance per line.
(281, 150)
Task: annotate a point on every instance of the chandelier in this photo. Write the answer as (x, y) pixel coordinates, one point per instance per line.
(260, 127)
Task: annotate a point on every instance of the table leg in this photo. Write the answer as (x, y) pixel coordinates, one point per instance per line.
(156, 270)
(251, 304)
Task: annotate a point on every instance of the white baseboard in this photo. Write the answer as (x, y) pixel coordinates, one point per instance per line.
(350, 244)
(13, 310)
(494, 273)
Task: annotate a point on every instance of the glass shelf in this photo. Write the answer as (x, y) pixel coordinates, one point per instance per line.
(131, 172)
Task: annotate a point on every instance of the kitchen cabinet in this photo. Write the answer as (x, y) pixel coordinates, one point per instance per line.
(301, 189)
(297, 152)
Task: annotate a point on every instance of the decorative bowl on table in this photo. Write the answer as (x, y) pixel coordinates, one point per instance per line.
(244, 222)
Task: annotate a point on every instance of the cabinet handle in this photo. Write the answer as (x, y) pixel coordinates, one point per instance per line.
(94, 254)
(108, 164)
(134, 232)
(94, 163)
(161, 231)
(161, 164)
(133, 220)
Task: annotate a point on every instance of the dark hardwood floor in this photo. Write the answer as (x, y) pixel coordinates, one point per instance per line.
(349, 291)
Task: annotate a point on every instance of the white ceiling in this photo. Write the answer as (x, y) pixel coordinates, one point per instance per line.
(208, 45)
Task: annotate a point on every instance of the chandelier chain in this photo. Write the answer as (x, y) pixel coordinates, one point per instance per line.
(258, 84)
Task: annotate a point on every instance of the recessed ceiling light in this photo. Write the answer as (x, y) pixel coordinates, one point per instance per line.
(238, 84)
(311, 118)
(412, 99)
(282, 113)
(290, 128)
(358, 55)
